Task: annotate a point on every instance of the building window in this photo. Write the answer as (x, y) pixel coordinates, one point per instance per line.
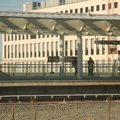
(47, 49)
(75, 47)
(57, 48)
(86, 9)
(56, 52)
(92, 8)
(15, 37)
(11, 37)
(62, 2)
(52, 53)
(31, 50)
(81, 10)
(71, 47)
(39, 54)
(8, 37)
(76, 10)
(35, 55)
(86, 47)
(12, 51)
(66, 48)
(23, 55)
(19, 37)
(26, 36)
(43, 36)
(66, 11)
(19, 48)
(47, 53)
(43, 49)
(5, 37)
(103, 6)
(23, 37)
(32, 36)
(103, 49)
(15, 51)
(97, 49)
(92, 46)
(97, 8)
(52, 49)
(39, 36)
(109, 5)
(5, 51)
(71, 11)
(116, 5)
(8, 51)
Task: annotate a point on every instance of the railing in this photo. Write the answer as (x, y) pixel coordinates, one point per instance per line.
(54, 70)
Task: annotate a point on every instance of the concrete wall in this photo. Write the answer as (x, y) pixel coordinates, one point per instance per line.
(62, 111)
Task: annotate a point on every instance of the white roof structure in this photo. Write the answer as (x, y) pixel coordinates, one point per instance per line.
(58, 23)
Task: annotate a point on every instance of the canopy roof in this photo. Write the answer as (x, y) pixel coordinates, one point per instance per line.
(58, 23)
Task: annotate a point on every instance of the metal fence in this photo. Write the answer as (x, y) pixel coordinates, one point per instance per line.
(106, 69)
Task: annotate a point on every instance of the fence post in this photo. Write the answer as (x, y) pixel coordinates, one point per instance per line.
(43, 67)
(26, 69)
(35, 115)
(34, 108)
(13, 113)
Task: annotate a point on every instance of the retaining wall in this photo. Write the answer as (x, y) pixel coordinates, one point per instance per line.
(61, 111)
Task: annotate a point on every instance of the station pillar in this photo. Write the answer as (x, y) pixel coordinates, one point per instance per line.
(79, 56)
(61, 55)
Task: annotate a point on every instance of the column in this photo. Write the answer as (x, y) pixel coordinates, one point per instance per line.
(79, 54)
(62, 55)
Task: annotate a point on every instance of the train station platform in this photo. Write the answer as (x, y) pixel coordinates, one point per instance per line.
(59, 85)
(57, 81)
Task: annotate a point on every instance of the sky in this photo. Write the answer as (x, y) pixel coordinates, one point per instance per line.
(12, 5)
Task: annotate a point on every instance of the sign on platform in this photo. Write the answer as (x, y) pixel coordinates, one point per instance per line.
(57, 59)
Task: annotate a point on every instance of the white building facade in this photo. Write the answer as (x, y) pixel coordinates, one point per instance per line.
(35, 49)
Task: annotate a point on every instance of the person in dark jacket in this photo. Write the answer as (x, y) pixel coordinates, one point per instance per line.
(90, 66)
(74, 64)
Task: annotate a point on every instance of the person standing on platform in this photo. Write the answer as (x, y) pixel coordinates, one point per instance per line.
(90, 66)
(74, 64)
